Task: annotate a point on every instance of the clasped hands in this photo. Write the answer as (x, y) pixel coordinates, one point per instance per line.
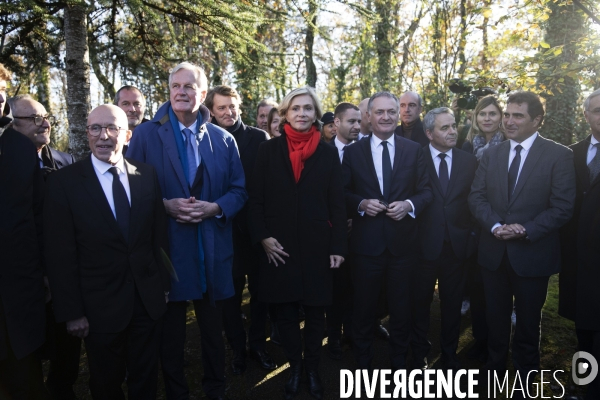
(191, 211)
(275, 253)
(396, 210)
(510, 232)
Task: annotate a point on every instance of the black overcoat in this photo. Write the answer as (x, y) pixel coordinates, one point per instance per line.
(307, 218)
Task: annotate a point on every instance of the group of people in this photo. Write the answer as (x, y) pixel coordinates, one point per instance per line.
(344, 223)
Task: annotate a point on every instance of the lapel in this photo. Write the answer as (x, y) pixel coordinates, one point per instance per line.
(135, 191)
(312, 160)
(92, 185)
(397, 155)
(366, 148)
(166, 135)
(502, 172)
(285, 152)
(454, 172)
(580, 151)
(208, 158)
(244, 140)
(432, 172)
(536, 150)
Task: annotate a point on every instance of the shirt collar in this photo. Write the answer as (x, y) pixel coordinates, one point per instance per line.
(435, 152)
(525, 144)
(339, 144)
(102, 166)
(192, 127)
(593, 140)
(375, 141)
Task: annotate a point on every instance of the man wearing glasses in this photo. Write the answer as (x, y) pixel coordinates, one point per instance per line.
(104, 236)
(31, 119)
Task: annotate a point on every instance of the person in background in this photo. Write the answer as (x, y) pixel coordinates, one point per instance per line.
(486, 127)
(297, 213)
(262, 113)
(273, 123)
(411, 127)
(328, 129)
(365, 125)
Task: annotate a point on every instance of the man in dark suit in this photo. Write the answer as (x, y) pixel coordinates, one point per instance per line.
(387, 186)
(523, 192)
(224, 103)
(202, 181)
(104, 240)
(63, 350)
(580, 275)
(22, 318)
(444, 231)
(411, 107)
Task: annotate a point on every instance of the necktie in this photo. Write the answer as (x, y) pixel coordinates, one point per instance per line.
(191, 155)
(594, 165)
(121, 201)
(386, 169)
(443, 173)
(513, 171)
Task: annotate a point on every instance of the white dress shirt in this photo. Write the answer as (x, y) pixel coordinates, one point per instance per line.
(591, 150)
(194, 130)
(340, 147)
(106, 178)
(436, 160)
(526, 146)
(377, 153)
(362, 135)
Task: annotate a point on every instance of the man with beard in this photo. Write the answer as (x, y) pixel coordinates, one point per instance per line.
(224, 105)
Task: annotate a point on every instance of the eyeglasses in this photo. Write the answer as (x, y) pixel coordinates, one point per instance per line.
(39, 119)
(111, 130)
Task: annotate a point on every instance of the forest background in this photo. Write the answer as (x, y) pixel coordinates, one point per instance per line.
(72, 55)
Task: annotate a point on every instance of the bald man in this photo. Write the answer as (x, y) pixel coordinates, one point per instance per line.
(411, 107)
(105, 231)
(365, 125)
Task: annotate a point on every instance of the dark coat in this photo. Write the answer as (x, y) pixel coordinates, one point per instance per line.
(417, 134)
(22, 315)
(580, 274)
(93, 270)
(372, 235)
(245, 253)
(451, 210)
(542, 203)
(307, 218)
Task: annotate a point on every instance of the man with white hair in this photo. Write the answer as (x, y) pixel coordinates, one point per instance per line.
(202, 183)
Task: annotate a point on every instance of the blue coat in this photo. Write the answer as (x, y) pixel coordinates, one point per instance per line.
(223, 183)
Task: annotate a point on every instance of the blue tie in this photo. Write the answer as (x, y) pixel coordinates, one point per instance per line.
(191, 155)
(386, 170)
(513, 171)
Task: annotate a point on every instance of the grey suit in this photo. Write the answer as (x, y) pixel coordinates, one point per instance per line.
(542, 202)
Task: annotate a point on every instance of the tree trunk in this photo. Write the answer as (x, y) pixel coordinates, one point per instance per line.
(78, 77)
(311, 30)
(384, 29)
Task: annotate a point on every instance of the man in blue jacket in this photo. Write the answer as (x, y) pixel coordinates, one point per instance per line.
(202, 182)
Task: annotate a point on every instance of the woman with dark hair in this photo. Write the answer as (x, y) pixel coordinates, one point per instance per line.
(486, 128)
(273, 121)
(297, 213)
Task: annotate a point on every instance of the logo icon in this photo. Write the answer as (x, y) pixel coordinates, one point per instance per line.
(584, 364)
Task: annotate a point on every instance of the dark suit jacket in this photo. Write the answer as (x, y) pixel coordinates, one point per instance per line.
(451, 210)
(578, 298)
(93, 270)
(542, 202)
(22, 315)
(245, 252)
(307, 218)
(372, 235)
(417, 134)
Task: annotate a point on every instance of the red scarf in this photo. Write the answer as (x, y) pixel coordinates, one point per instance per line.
(301, 146)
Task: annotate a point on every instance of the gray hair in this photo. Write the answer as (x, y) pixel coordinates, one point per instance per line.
(383, 94)
(199, 74)
(12, 102)
(429, 120)
(586, 103)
